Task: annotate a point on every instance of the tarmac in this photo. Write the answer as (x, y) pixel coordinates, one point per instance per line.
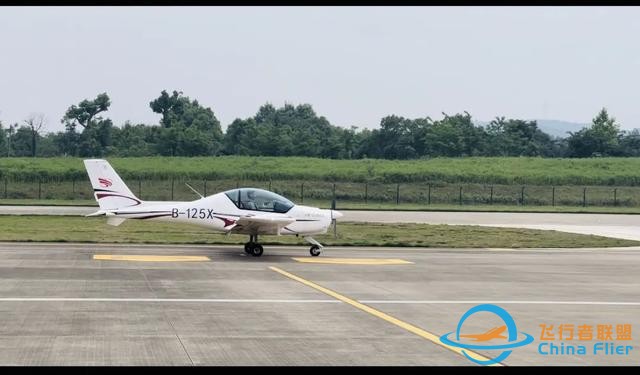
(92, 304)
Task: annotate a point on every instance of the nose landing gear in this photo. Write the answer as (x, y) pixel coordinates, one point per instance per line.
(316, 247)
(315, 250)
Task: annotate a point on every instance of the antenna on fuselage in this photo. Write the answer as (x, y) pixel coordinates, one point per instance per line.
(194, 190)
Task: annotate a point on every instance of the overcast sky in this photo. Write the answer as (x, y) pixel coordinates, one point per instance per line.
(353, 64)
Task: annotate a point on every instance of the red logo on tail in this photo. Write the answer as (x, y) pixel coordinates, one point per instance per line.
(104, 182)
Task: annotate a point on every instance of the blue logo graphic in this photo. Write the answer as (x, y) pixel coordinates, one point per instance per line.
(494, 333)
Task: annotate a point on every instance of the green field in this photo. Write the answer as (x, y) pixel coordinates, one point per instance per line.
(478, 170)
(79, 229)
(410, 195)
(503, 184)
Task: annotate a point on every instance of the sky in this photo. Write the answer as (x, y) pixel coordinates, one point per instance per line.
(354, 65)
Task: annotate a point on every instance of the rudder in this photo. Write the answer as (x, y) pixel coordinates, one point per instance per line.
(108, 188)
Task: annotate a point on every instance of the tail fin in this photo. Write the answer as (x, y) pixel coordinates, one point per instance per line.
(108, 188)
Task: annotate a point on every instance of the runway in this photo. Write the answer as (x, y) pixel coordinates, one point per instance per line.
(623, 226)
(70, 304)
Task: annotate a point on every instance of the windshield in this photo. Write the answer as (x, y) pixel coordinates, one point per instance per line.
(259, 200)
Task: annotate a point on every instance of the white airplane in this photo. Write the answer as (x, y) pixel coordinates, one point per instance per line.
(245, 210)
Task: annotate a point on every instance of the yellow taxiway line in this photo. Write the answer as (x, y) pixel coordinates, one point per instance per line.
(358, 261)
(152, 258)
(377, 313)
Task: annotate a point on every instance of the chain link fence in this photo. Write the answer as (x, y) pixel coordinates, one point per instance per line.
(322, 192)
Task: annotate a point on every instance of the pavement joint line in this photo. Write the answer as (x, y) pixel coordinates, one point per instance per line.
(237, 300)
(353, 261)
(379, 314)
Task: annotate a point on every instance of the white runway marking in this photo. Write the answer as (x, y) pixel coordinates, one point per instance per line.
(426, 302)
(200, 300)
(389, 302)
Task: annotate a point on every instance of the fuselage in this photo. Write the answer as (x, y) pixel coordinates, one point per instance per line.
(221, 212)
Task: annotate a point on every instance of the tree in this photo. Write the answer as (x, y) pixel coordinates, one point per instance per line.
(87, 110)
(21, 141)
(4, 135)
(454, 136)
(35, 122)
(630, 143)
(395, 139)
(517, 138)
(599, 139)
(95, 138)
(10, 132)
(194, 128)
(287, 131)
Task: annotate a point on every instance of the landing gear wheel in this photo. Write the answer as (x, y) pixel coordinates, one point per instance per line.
(314, 250)
(256, 250)
(247, 246)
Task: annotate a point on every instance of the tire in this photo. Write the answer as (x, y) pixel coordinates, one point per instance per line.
(257, 250)
(247, 247)
(314, 250)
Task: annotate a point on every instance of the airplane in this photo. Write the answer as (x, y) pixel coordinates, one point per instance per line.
(493, 333)
(248, 211)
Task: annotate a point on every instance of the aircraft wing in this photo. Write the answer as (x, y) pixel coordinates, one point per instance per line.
(262, 224)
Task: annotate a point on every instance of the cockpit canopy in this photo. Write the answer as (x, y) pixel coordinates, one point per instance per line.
(259, 200)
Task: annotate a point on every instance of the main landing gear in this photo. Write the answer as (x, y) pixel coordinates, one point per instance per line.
(253, 247)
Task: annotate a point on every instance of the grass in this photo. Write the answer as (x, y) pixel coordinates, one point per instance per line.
(478, 170)
(92, 230)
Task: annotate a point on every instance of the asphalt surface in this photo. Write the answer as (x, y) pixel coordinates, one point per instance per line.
(60, 306)
(608, 225)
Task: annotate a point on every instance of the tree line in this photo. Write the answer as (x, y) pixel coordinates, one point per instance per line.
(187, 128)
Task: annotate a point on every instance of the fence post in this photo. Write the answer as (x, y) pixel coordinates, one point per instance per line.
(522, 196)
(73, 186)
(366, 192)
(397, 193)
(429, 195)
(334, 191)
(269, 184)
(172, 182)
(553, 196)
(237, 184)
(140, 188)
(491, 197)
(5, 188)
(460, 195)
(584, 197)
(205, 188)
(39, 188)
(615, 198)
(302, 192)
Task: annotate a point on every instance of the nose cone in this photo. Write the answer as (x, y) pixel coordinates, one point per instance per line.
(336, 214)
